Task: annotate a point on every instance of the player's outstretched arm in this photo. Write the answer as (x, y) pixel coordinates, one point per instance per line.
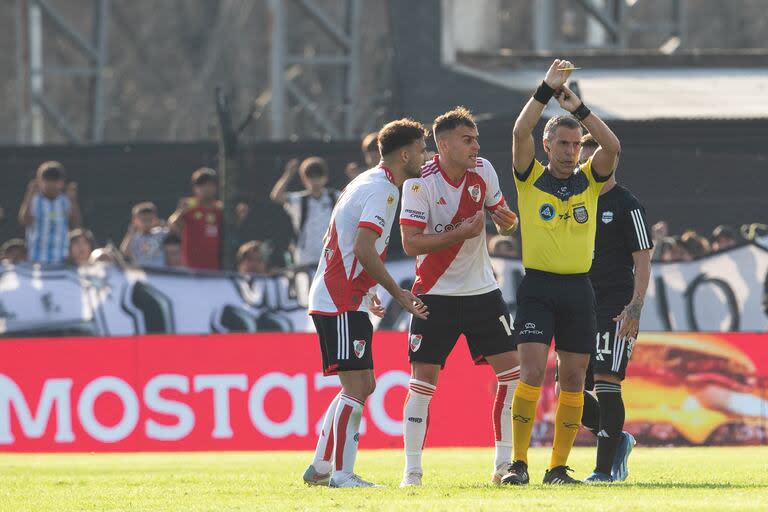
(416, 242)
(365, 252)
(631, 314)
(523, 148)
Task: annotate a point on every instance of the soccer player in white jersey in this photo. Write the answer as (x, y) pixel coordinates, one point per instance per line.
(343, 293)
(443, 225)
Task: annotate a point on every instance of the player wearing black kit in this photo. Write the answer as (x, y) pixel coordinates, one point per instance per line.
(620, 273)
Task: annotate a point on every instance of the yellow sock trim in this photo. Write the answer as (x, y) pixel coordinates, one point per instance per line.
(528, 392)
(574, 399)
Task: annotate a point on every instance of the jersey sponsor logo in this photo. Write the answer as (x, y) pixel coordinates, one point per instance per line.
(474, 193)
(380, 220)
(415, 187)
(580, 213)
(390, 200)
(415, 342)
(442, 201)
(415, 214)
(607, 217)
(547, 211)
(359, 346)
(520, 418)
(439, 228)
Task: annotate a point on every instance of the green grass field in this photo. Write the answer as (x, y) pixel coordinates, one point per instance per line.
(698, 479)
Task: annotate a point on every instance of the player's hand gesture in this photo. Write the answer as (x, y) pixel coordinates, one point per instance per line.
(567, 99)
(412, 304)
(558, 73)
(505, 219)
(72, 191)
(630, 320)
(376, 308)
(473, 226)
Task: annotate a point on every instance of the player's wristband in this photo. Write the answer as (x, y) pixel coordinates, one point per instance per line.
(544, 93)
(581, 112)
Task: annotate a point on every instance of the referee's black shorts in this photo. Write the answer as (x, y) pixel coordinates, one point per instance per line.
(556, 305)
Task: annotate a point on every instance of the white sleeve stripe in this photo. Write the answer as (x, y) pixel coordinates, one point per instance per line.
(642, 235)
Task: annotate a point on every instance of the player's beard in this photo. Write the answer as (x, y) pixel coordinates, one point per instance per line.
(412, 170)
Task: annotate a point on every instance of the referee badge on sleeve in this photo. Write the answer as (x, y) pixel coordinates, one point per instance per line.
(580, 213)
(607, 217)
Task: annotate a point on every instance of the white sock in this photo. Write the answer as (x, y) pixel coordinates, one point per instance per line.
(502, 415)
(323, 461)
(346, 426)
(415, 423)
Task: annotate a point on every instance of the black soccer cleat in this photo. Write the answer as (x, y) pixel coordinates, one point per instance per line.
(517, 474)
(559, 476)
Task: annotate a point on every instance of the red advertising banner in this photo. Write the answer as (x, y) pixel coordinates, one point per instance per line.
(266, 392)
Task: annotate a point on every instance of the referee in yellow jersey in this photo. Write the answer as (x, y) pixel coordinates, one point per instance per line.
(558, 207)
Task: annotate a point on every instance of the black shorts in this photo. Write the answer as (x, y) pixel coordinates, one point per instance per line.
(346, 341)
(556, 305)
(611, 355)
(483, 319)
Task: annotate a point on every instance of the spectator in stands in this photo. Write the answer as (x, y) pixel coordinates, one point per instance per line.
(309, 210)
(81, 245)
(673, 250)
(172, 250)
(198, 221)
(724, 237)
(353, 170)
(14, 251)
(504, 247)
(48, 213)
(659, 231)
(252, 258)
(697, 245)
(143, 241)
(371, 150)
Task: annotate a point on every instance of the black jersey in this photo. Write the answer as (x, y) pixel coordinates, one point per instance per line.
(621, 230)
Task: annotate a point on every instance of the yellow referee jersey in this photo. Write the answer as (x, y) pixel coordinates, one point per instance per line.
(558, 218)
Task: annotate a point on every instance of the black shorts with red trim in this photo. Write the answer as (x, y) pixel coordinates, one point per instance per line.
(346, 341)
(483, 319)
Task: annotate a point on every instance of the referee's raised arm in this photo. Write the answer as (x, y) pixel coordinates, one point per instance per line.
(523, 148)
(606, 157)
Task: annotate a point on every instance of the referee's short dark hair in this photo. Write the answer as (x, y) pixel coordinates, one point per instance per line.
(398, 134)
(588, 141)
(459, 116)
(556, 122)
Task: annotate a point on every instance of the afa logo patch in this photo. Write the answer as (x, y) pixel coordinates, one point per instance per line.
(580, 213)
(415, 187)
(390, 200)
(547, 211)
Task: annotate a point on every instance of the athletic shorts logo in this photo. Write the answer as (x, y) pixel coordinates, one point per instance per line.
(474, 193)
(607, 217)
(580, 213)
(415, 342)
(547, 211)
(530, 325)
(359, 346)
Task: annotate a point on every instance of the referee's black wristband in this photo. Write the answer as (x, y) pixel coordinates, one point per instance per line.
(581, 112)
(544, 93)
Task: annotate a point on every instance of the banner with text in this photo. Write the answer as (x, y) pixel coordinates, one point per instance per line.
(265, 392)
(723, 292)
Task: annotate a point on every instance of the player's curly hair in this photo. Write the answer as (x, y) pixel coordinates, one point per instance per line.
(459, 116)
(397, 134)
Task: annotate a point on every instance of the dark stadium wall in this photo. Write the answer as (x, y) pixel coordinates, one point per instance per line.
(694, 174)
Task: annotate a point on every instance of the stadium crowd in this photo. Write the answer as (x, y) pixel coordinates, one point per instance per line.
(191, 236)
